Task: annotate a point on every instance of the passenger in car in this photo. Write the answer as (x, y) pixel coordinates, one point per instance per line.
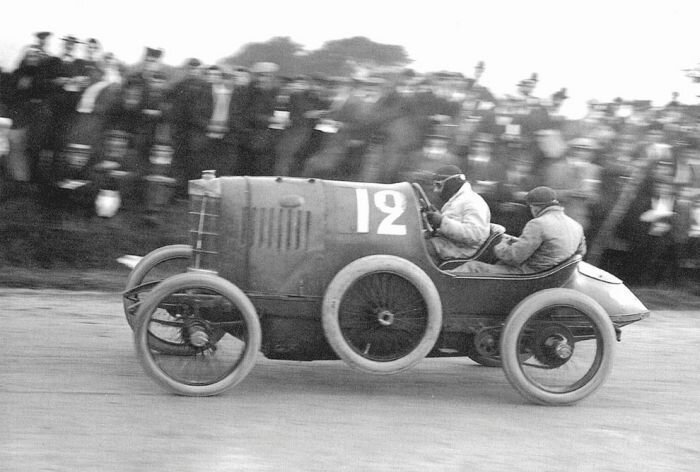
(547, 240)
(463, 223)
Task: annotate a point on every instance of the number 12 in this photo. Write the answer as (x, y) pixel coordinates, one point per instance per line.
(391, 202)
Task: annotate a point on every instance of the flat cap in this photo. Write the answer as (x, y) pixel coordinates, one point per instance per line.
(541, 196)
(71, 39)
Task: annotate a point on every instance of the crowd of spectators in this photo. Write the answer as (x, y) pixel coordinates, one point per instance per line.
(81, 126)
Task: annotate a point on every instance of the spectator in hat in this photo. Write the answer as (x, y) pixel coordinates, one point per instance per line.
(479, 71)
(342, 149)
(69, 78)
(396, 127)
(184, 100)
(463, 223)
(547, 240)
(144, 111)
(576, 177)
(151, 62)
(28, 93)
(300, 139)
(484, 169)
(42, 40)
(554, 108)
(211, 147)
(92, 52)
(252, 118)
(93, 60)
(508, 206)
(105, 72)
(527, 86)
(654, 251)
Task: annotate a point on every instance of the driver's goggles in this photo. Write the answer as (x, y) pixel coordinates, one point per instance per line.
(438, 185)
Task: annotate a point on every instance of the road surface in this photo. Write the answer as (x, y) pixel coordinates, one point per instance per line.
(73, 397)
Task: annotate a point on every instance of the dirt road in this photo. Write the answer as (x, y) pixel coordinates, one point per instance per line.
(73, 397)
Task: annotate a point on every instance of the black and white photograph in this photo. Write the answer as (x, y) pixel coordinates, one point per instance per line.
(446, 236)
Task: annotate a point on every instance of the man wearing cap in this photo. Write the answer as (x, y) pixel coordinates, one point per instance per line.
(69, 78)
(42, 39)
(92, 60)
(577, 180)
(463, 223)
(547, 240)
(300, 139)
(251, 118)
(183, 95)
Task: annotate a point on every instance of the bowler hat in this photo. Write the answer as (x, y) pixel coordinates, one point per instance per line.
(541, 196)
(531, 81)
(193, 62)
(43, 34)
(561, 94)
(154, 53)
(71, 39)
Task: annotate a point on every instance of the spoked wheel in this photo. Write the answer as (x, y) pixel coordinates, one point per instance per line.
(198, 306)
(155, 267)
(569, 340)
(381, 314)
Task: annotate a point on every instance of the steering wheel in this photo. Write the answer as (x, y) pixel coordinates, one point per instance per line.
(425, 206)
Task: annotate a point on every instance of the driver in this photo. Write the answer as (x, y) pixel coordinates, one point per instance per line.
(463, 223)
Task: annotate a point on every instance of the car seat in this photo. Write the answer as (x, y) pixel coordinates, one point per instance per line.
(485, 252)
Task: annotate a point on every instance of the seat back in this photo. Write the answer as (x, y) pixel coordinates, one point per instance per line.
(485, 252)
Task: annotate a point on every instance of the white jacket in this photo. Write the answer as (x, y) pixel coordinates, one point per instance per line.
(465, 224)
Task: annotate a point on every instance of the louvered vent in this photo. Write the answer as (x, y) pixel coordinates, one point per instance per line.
(280, 229)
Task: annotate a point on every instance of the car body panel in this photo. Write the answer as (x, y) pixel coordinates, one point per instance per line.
(282, 240)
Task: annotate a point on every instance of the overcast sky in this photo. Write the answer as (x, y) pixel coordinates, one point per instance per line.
(596, 48)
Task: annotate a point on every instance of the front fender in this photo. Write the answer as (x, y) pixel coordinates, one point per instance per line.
(623, 306)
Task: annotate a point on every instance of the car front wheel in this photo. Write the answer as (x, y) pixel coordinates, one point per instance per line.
(200, 307)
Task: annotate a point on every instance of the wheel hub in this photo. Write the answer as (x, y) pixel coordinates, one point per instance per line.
(486, 343)
(385, 318)
(559, 347)
(196, 332)
(198, 338)
(554, 345)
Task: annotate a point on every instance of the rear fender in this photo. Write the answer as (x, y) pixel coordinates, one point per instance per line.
(619, 302)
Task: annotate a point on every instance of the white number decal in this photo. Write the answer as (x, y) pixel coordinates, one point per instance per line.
(391, 202)
(362, 210)
(394, 211)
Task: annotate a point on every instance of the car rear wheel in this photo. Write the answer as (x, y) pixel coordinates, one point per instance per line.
(199, 306)
(381, 314)
(557, 346)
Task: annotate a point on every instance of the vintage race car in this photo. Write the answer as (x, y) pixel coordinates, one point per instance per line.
(308, 269)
